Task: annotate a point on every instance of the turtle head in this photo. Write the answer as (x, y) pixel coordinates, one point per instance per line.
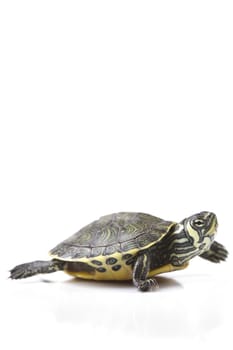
(201, 229)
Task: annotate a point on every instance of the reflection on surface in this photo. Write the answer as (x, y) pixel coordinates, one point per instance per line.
(111, 307)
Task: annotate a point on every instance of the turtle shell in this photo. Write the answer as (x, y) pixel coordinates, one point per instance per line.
(116, 233)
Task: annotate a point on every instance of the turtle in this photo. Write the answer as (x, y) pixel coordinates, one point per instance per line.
(131, 246)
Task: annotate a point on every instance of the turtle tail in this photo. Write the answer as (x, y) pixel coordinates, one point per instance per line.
(36, 267)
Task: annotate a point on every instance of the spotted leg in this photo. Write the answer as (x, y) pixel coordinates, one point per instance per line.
(216, 253)
(140, 272)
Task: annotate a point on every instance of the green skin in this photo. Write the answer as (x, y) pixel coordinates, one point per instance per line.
(194, 236)
(216, 253)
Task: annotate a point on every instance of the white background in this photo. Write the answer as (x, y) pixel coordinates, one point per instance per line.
(113, 106)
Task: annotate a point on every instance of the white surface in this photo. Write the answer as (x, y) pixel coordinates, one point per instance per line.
(105, 107)
(191, 307)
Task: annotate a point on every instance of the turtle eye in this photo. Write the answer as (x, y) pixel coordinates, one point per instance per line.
(199, 223)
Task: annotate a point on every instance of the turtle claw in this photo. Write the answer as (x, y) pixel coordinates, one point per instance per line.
(21, 271)
(17, 272)
(149, 284)
(216, 253)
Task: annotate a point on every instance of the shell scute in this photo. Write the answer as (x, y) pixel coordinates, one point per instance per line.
(111, 249)
(95, 251)
(129, 245)
(144, 240)
(120, 232)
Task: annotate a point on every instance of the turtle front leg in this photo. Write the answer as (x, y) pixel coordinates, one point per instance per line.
(216, 253)
(140, 273)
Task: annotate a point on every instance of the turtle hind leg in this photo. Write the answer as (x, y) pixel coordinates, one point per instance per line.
(140, 273)
(36, 267)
